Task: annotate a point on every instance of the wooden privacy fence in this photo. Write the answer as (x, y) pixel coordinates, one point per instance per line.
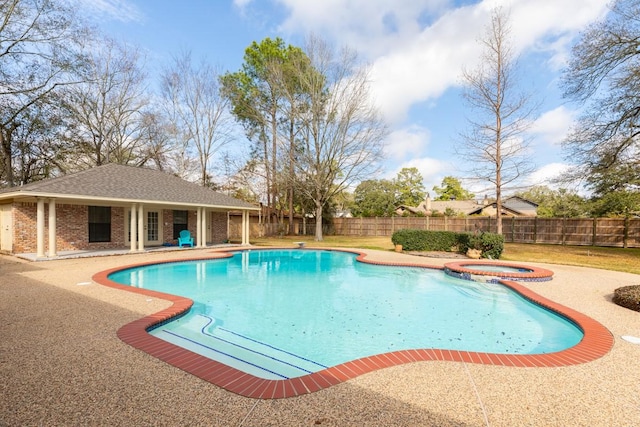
(616, 232)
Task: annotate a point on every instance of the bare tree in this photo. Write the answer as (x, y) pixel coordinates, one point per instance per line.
(604, 145)
(494, 147)
(193, 96)
(38, 152)
(106, 113)
(342, 131)
(40, 51)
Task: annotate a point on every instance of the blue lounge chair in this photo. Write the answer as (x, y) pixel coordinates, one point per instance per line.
(185, 238)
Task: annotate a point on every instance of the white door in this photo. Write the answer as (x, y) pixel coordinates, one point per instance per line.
(6, 228)
(152, 227)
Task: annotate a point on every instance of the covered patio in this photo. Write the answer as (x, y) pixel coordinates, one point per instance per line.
(112, 252)
(113, 208)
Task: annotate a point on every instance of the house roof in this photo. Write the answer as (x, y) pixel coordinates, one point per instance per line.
(494, 205)
(515, 205)
(533, 204)
(113, 182)
(464, 206)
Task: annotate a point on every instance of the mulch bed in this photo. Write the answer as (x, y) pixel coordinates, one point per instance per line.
(628, 297)
(437, 254)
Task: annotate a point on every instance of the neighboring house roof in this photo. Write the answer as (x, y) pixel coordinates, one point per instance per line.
(463, 206)
(505, 209)
(113, 182)
(345, 213)
(514, 205)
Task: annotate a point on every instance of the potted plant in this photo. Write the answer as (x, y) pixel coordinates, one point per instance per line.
(474, 248)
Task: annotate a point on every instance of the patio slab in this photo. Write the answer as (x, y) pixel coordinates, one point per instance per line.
(62, 364)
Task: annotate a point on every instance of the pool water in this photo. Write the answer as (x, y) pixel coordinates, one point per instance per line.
(286, 313)
(496, 268)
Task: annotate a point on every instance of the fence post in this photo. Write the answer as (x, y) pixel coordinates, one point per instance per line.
(361, 225)
(625, 235)
(393, 222)
(445, 223)
(513, 229)
(594, 234)
(535, 230)
(564, 231)
(427, 221)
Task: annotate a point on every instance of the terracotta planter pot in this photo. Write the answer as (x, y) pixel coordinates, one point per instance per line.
(474, 253)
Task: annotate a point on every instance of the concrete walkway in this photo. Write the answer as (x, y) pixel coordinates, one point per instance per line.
(62, 364)
(32, 256)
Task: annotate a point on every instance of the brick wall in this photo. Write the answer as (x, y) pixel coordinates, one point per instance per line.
(72, 228)
(192, 225)
(218, 224)
(167, 230)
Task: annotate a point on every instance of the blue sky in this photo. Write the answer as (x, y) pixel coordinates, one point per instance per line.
(416, 49)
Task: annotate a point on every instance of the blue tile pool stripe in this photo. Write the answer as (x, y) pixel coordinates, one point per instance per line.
(224, 354)
(259, 353)
(273, 347)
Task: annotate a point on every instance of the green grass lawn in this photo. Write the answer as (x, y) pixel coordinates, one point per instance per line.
(617, 259)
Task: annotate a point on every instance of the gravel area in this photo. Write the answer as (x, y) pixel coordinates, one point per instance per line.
(61, 364)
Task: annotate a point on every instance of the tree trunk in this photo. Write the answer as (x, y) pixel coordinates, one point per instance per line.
(318, 237)
(267, 170)
(291, 175)
(498, 210)
(5, 146)
(274, 155)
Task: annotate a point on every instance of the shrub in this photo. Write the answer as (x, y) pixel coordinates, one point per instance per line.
(490, 244)
(628, 297)
(423, 240)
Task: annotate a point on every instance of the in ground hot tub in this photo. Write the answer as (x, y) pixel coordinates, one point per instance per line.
(492, 271)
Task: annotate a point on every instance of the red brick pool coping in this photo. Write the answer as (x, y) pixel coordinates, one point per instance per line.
(597, 342)
(532, 273)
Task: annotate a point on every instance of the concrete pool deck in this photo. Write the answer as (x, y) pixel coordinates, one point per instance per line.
(62, 364)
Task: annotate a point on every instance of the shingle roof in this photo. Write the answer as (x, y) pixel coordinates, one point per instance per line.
(118, 182)
(464, 206)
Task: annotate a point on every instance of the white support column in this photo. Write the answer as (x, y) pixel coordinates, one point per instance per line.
(245, 227)
(52, 228)
(140, 227)
(198, 226)
(133, 227)
(40, 229)
(204, 228)
(248, 232)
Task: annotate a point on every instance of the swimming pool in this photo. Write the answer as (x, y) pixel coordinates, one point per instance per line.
(279, 314)
(597, 341)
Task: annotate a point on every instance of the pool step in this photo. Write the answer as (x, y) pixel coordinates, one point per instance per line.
(200, 334)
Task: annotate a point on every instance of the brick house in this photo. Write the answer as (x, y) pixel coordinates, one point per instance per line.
(513, 206)
(113, 207)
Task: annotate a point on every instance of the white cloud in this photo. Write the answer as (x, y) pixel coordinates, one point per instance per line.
(408, 142)
(418, 48)
(241, 3)
(121, 10)
(373, 27)
(432, 170)
(552, 126)
(546, 174)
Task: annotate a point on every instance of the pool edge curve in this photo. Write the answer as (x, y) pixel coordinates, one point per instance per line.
(596, 342)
